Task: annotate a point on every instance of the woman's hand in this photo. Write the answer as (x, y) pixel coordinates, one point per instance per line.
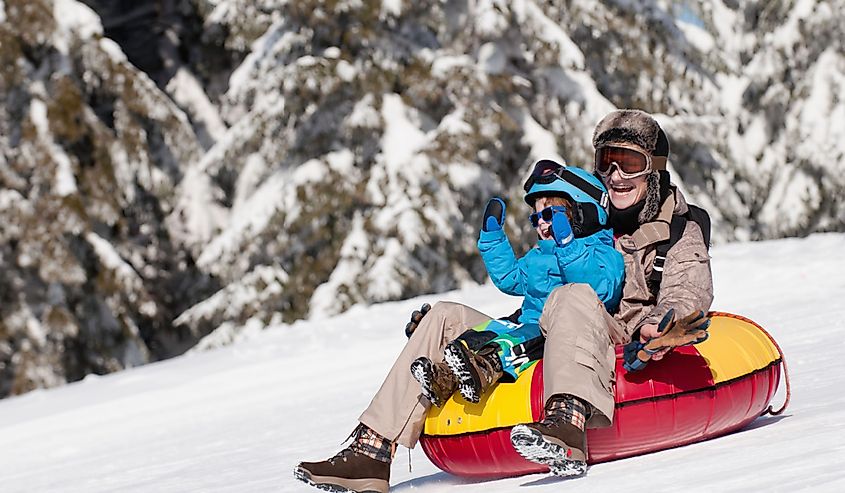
(649, 332)
(416, 318)
(691, 329)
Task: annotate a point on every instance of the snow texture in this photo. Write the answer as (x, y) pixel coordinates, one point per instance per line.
(188, 92)
(241, 417)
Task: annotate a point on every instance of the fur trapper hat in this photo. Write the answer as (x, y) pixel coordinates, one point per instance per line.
(633, 127)
(656, 192)
(641, 129)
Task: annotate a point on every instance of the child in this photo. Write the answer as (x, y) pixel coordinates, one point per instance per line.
(574, 245)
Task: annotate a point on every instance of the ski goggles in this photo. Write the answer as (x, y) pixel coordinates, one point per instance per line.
(545, 214)
(544, 172)
(630, 162)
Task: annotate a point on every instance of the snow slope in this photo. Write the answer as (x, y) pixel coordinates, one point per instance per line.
(239, 418)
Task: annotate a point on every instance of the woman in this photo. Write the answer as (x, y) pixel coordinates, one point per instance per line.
(631, 153)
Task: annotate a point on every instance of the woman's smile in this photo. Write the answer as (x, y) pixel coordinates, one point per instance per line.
(625, 192)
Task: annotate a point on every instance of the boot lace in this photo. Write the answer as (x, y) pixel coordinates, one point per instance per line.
(366, 441)
(488, 356)
(342, 455)
(566, 409)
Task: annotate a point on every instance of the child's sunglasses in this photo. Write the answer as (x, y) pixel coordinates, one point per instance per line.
(545, 214)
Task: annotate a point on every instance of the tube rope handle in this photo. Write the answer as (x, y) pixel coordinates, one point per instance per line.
(770, 409)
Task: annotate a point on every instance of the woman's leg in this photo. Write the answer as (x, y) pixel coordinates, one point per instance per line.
(578, 375)
(579, 355)
(397, 411)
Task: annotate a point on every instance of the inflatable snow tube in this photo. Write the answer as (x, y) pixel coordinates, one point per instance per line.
(695, 393)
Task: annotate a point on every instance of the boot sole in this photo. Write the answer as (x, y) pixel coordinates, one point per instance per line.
(533, 446)
(423, 373)
(459, 363)
(341, 485)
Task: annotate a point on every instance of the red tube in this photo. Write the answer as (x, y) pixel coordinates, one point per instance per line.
(669, 404)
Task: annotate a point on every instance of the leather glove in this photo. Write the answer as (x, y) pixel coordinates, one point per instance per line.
(691, 329)
(494, 215)
(416, 317)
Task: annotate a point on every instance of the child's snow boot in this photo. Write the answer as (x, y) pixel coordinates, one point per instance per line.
(476, 371)
(363, 466)
(436, 380)
(559, 440)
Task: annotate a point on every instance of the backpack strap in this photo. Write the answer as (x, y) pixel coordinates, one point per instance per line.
(676, 230)
(701, 217)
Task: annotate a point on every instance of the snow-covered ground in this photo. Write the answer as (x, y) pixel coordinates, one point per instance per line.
(239, 419)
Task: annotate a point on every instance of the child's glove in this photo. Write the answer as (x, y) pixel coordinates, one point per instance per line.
(561, 229)
(416, 317)
(494, 215)
(691, 329)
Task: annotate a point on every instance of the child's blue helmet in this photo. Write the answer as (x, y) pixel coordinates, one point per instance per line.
(582, 187)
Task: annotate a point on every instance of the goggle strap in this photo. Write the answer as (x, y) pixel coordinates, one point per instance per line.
(658, 163)
(545, 165)
(593, 191)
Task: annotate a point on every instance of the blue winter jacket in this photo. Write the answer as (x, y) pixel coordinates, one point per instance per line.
(591, 260)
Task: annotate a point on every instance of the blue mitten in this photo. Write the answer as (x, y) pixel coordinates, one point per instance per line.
(561, 229)
(494, 215)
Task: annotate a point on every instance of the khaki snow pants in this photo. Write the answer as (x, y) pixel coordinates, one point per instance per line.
(580, 355)
(398, 410)
(579, 359)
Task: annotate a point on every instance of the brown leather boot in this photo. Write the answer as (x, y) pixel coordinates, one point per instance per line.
(436, 380)
(363, 466)
(559, 440)
(476, 371)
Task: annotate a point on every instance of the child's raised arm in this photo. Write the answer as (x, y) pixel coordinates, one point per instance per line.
(497, 252)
